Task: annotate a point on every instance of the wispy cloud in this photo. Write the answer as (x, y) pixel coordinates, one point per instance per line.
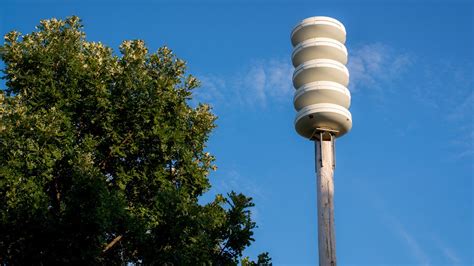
(440, 86)
(447, 89)
(233, 180)
(421, 242)
(256, 84)
(211, 90)
(447, 251)
(462, 108)
(411, 242)
(264, 81)
(443, 85)
(377, 71)
(372, 66)
(396, 225)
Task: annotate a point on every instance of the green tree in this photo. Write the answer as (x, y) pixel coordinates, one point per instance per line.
(102, 159)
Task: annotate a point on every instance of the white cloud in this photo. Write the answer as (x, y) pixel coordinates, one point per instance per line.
(462, 108)
(376, 69)
(212, 91)
(394, 224)
(461, 116)
(372, 66)
(412, 243)
(447, 90)
(414, 246)
(440, 86)
(263, 81)
(257, 84)
(233, 180)
(447, 251)
(253, 87)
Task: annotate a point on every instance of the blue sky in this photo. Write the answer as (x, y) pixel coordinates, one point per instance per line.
(404, 174)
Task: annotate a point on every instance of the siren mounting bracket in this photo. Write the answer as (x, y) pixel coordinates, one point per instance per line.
(321, 134)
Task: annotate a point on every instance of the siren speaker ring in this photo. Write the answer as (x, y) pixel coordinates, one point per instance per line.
(321, 92)
(320, 70)
(323, 115)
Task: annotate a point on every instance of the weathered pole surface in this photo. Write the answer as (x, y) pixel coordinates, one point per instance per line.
(325, 192)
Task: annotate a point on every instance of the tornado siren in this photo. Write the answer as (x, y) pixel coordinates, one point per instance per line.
(320, 77)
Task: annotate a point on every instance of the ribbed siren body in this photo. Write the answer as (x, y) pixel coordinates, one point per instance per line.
(320, 77)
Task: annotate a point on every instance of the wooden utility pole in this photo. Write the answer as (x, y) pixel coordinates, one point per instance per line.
(325, 164)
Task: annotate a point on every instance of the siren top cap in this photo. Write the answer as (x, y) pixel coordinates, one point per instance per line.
(319, 26)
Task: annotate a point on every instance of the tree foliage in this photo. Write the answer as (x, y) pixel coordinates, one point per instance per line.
(102, 159)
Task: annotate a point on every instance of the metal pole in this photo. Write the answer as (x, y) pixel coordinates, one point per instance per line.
(325, 192)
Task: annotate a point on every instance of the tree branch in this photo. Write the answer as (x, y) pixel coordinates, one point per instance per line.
(112, 243)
